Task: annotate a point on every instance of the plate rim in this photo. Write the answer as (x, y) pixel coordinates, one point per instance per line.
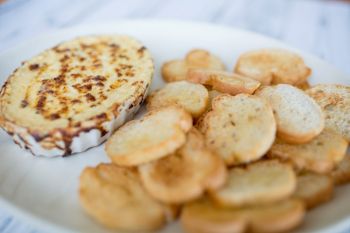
(40, 224)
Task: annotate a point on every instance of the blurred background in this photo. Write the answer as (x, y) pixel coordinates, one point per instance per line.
(321, 27)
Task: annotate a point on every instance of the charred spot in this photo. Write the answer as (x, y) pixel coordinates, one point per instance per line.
(76, 101)
(4, 86)
(24, 103)
(129, 73)
(90, 97)
(142, 99)
(114, 46)
(76, 75)
(86, 80)
(117, 83)
(54, 116)
(99, 78)
(64, 109)
(119, 73)
(103, 132)
(50, 92)
(82, 59)
(64, 58)
(34, 67)
(86, 46)
(100, 84)
(125, 66)
(87, 87)
(97, 65)
(141, 51)
(64, 68)
(123, 56)
(102, 116)
(60, 50)
(83, 88)
(38, 137)
(59, 79)
(41, 103)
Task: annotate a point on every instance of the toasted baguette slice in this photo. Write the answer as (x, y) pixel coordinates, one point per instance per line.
(314, 189)
(260, 183)
(185, 174)
(115, 197)
(282, 216)
(341, 174)
(239, 128)
(299, 118)
(200, 58)
(335, 102)
(73, 96)
(192, 97)
(273, 66)
(320, 155)
(157, 134)
(222, 81)
(203, 216)
(176, 70)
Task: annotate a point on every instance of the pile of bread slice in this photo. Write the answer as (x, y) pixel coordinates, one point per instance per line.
(249, 150)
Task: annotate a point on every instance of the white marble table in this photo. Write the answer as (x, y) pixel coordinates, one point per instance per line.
(319, 27)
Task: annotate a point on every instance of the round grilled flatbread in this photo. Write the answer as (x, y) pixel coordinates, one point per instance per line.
(71, 97)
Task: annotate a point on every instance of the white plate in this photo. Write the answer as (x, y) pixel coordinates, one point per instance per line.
(44, 191)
